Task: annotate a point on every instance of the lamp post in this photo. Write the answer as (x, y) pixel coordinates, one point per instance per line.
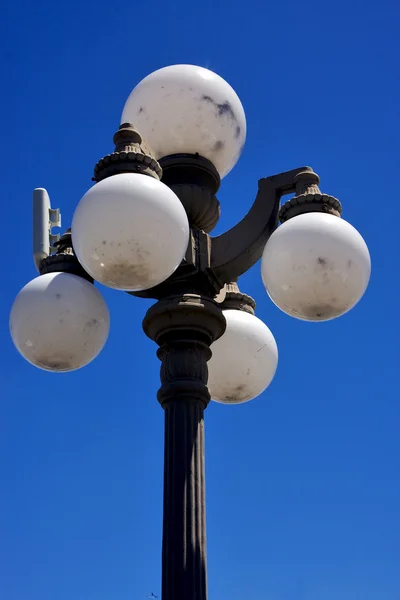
(144, 228)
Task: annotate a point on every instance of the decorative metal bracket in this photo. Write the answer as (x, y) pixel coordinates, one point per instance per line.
(235, 251)
(44, 219)
(213, 262)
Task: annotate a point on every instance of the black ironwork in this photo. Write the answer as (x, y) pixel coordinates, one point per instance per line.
(186, 320)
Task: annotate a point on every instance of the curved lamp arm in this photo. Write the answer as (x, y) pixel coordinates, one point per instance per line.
(239, 248)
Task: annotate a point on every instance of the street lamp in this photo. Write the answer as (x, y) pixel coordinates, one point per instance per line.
(144, 228)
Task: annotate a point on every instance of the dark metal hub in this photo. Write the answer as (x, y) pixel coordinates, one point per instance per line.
(195, 181)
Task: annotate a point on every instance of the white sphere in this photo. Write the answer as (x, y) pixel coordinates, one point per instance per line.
(59, 322)
(244, 359)
(189, 109)
(130, 232)
(315, 267)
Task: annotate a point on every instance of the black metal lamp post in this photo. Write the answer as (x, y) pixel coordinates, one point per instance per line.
(305, 274)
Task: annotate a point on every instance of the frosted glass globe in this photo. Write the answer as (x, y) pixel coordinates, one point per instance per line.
(189, 109)
(130, 232)
(316, 267)
(244, 359)
(59, 322)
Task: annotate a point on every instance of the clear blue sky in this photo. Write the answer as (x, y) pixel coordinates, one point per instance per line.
(303, 483)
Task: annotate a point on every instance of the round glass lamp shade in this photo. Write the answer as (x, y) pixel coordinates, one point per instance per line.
(189, 109)
(130, 232)
(244, 359)
(59, 322)
(316, 267)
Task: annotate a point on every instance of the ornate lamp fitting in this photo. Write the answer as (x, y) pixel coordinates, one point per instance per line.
(236, 300)
(309, 198)
(64, 260)
(132, 154)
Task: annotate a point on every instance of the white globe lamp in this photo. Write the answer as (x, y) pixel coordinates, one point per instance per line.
(191, 110)
(316, 266)
(130, 232)
(59, 322)
(244, 359)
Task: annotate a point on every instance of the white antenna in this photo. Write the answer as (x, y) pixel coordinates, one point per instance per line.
(44, 219)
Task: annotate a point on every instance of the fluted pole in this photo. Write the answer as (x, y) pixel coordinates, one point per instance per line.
(184, 525)
(184, 328)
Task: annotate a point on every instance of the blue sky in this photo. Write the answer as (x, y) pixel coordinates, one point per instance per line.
(303, 484)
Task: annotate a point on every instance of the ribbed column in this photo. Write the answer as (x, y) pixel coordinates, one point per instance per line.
(184, 530)
(184, 327)
(184, 396)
